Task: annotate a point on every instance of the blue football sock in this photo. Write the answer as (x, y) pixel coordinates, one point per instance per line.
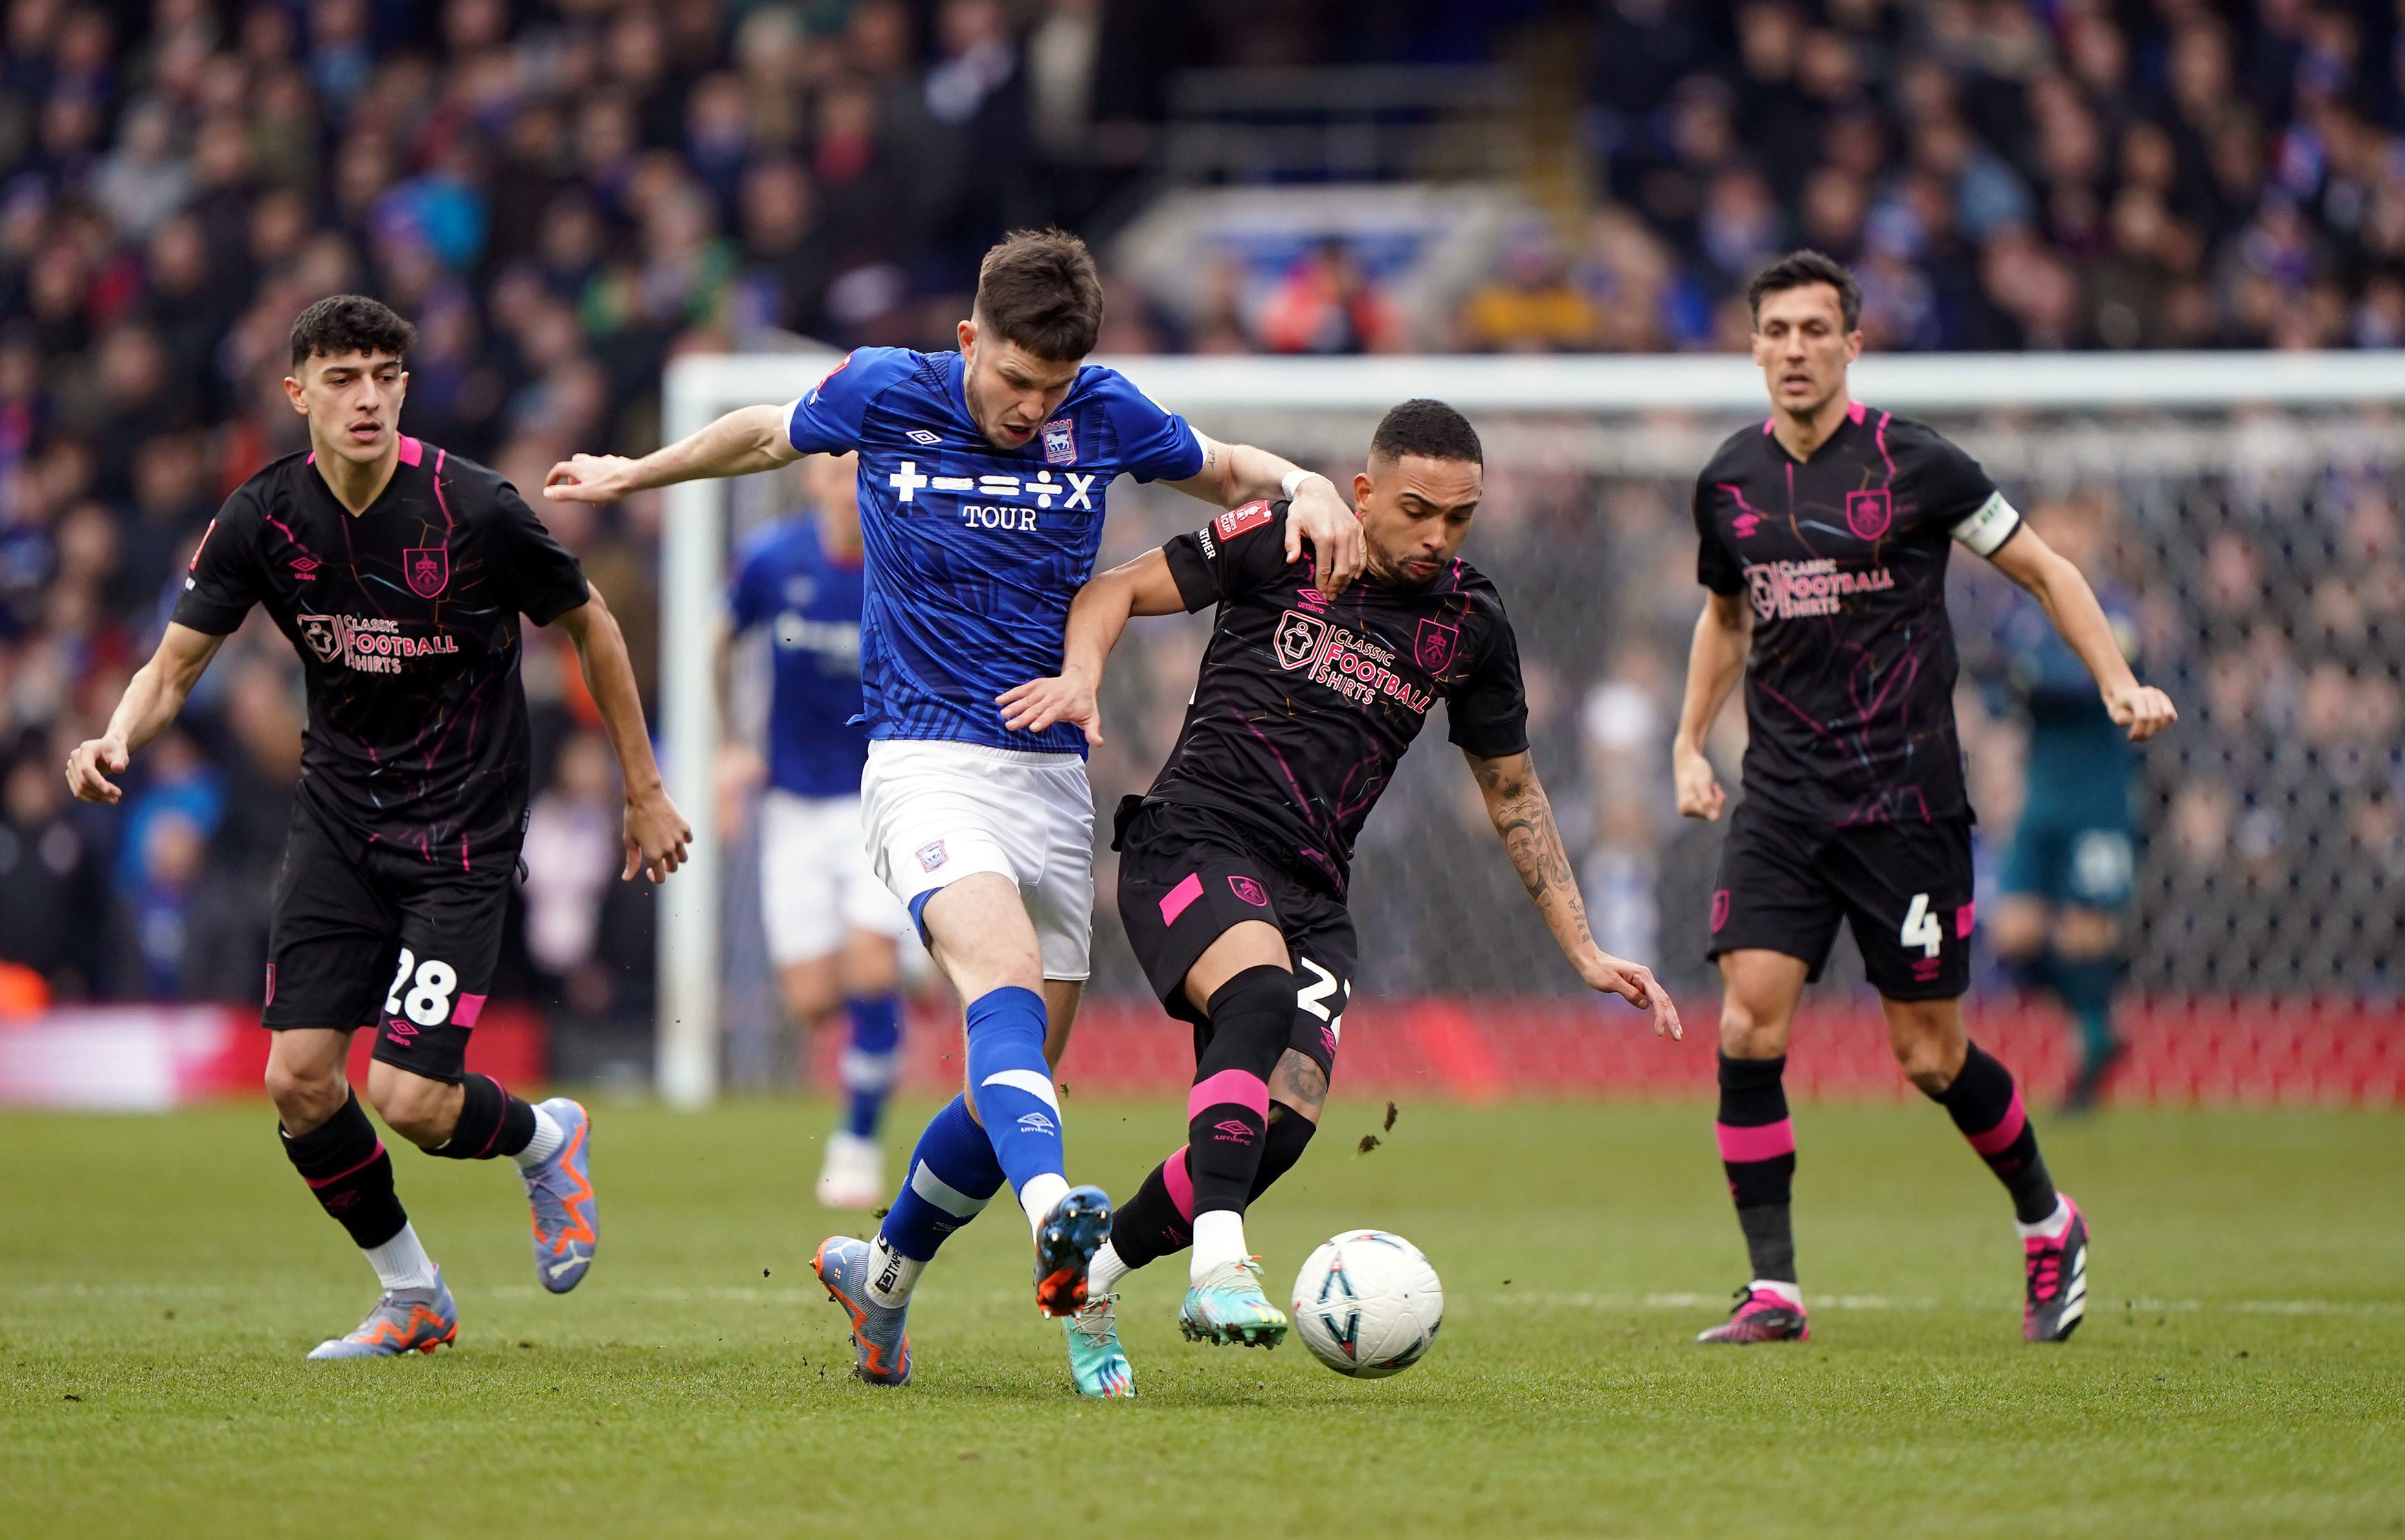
(1013, 1084)
(870, 1062)
(952, 1175)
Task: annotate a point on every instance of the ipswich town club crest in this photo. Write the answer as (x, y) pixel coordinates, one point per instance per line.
(428, 568)
(1432, 645)
(1061, 442)
(1869, 514)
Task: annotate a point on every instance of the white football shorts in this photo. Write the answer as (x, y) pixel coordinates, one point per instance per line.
(938, 813)
(816, 882)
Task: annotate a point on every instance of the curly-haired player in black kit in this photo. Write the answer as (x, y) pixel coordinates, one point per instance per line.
(1233, 879)
(399, 571)
(1825, 536)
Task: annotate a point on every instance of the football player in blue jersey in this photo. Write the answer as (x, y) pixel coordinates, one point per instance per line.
(983, 483)
(832, 928)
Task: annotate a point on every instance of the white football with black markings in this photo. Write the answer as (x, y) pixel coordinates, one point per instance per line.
(1367, 1304)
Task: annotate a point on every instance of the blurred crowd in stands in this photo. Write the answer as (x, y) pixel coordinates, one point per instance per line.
(565, 193)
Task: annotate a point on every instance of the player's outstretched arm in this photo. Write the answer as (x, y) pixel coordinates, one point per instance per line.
(152, 698)
(2054, 582)
(1522, 816)
(1233, 474)
(657, 832)
(1715, 662)
(1096, 617)
(748, 439)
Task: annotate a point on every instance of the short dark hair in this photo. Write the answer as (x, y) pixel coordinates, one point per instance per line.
(1801, 269)
(1428, 427)
(1038, 289)
(349, 324)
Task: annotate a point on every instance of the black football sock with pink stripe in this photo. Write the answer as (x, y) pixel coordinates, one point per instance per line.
(1159, 1220)
(492, 1121)
(1757, 1142)
(1228, 1111)
(1986, 1105)
(346, 1167)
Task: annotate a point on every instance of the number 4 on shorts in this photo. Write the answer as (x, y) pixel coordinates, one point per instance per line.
(1921, 927)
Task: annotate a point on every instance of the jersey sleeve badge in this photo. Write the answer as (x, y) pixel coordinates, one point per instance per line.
(1235, 521)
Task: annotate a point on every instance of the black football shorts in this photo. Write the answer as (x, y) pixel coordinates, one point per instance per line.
(1188, 876)
(368, 936)
(1905, 889)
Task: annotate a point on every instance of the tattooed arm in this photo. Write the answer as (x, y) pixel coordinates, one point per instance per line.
(1523, 817)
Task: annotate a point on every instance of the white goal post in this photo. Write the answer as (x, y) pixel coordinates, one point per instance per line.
(1240, 389)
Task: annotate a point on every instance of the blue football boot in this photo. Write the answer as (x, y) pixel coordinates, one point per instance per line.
(566, 1216)
(1096, 1361)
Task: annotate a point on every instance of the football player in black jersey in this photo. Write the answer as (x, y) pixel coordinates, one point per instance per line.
(1234, 866)
(1825, 533)
(398, 572)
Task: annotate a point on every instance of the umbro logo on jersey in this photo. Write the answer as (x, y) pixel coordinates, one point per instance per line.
(919, 435)
(305, 568)
(1744, 524)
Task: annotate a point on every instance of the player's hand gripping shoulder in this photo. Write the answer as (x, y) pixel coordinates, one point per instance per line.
(1319, 516)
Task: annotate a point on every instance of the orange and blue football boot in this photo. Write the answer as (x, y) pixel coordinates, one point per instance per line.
(403, 1320)
(566, 1216)
(881, 1341)
(1065, 1244)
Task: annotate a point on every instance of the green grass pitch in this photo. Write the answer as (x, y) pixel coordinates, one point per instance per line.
(2241, 1370)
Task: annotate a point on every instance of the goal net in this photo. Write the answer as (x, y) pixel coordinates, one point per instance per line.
(2250, 510)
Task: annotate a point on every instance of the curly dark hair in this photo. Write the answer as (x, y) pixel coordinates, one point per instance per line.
(349, 324)
(1428, 428)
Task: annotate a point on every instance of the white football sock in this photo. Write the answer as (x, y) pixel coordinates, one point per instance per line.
(892, 1276)
(1791, 1293)
(2052, 1226)
(1219, 1239)
(1038, 1197)
(548, 1137)
(1104, 1273)
(402, 1263)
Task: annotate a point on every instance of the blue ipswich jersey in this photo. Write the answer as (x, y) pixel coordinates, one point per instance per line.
(2079, 762)
(811, 604)
(975, 552)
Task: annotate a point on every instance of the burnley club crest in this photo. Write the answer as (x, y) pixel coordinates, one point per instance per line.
(428, 568)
